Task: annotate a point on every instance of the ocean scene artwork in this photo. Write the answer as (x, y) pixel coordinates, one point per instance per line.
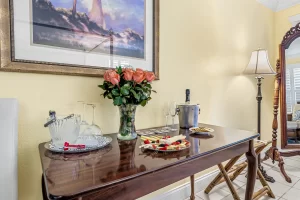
(93, 26)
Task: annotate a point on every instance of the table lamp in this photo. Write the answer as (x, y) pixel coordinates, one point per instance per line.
(260, 65)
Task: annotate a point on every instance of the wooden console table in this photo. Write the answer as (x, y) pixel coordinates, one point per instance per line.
(122, 171)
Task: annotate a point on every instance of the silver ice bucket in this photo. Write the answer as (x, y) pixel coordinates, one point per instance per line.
(188, 115)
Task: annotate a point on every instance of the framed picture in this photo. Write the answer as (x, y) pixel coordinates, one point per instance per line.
(79, 37)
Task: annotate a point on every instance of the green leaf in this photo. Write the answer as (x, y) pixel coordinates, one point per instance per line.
(109, 95)
(143, 97)
(118, 101)
(105, 94)
(127, 86)
(115, 92)
(147, 94)
(119, 70)
(102, 87)
(137, 96)
(139, 89)
(144, 103)
(148, 86)
(124, 100)
(124, 91)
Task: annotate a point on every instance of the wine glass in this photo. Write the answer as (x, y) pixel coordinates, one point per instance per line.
(173, 112)
(93, 129)
(83, 123)
(166, 111)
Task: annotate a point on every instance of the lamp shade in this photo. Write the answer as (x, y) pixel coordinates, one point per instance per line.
(259, 63)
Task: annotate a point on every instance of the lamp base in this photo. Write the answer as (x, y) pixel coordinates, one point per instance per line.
(265, 175)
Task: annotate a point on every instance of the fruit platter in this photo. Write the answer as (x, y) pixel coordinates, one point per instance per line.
(201, 130)
(165, 143)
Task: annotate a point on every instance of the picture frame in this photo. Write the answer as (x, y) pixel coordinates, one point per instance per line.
(10, 63)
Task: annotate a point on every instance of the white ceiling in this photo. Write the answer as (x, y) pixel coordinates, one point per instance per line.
(277, 5)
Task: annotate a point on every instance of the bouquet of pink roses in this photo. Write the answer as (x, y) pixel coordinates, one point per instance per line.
(128, 86)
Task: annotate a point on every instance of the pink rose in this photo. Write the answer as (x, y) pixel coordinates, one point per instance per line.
(128, 74)
(106, 75)
(149, 76)
(139, 76)
(112, 76)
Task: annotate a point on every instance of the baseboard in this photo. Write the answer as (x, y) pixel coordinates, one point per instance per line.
(184, 191)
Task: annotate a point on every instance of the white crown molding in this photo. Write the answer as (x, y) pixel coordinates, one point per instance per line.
(294, 19)
(272, 4)
(284, 4)
(278, 5)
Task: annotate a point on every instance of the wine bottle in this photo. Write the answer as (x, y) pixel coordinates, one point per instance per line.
(187, 96)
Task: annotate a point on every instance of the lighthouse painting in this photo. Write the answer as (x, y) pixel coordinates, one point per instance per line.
(93, 26)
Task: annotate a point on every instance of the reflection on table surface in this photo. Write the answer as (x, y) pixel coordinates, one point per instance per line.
(124, 159)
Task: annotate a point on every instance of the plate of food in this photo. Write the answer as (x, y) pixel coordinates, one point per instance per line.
(165, 143)
(201, 130)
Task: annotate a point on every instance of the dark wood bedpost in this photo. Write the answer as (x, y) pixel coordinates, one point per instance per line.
(273, 152)
(276, 105)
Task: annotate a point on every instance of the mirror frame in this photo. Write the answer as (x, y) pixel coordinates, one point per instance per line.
(289, 37)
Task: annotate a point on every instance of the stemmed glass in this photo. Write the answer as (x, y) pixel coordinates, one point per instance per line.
(173, 112)
(83, 124)
(92, 162)
(93, 129)
(166, 111)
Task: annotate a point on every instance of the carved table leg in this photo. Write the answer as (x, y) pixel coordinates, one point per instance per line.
(192, 187)
(252, 171)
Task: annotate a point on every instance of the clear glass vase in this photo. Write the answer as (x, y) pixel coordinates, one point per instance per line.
(127, 122)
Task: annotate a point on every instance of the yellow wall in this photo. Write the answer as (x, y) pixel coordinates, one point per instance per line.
(293, 60)
(205, 46)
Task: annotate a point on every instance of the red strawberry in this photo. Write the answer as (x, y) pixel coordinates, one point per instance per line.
(147, 142)
(163, 148)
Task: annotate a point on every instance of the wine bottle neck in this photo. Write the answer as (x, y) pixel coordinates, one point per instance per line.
(187, 97)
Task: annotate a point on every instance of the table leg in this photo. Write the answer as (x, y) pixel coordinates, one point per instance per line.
(252, 171)
(44, 189)
(192, 187)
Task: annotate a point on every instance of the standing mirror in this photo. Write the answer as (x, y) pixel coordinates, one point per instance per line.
(290, 89)
(287, 92)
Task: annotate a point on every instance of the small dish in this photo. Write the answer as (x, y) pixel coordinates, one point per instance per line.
(201, 130)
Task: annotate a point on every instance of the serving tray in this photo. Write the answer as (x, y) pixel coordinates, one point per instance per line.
(101, 141)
